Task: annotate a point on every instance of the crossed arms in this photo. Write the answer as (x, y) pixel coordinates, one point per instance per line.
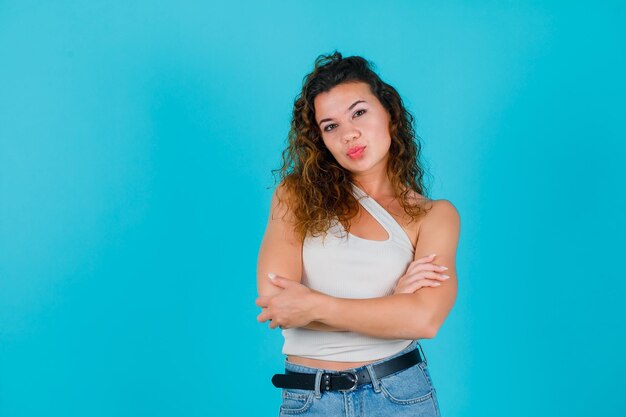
(403, 315)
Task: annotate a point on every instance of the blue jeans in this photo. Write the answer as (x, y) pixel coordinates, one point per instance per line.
(409, 392)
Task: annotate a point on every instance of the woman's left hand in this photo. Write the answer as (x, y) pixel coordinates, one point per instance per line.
(292, 307)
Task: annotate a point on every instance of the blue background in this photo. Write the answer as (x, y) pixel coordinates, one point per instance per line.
(136, 143)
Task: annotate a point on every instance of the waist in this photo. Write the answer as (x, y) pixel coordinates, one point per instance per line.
(342, 365)
(323, 364)
(332, 350)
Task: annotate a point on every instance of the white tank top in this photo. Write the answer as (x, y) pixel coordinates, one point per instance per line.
(347, 266)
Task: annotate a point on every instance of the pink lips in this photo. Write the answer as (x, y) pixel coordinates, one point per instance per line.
(355, 152)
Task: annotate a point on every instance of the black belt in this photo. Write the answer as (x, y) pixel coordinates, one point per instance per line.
(346, 380)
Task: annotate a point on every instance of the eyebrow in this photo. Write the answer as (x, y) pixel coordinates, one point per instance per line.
(349, 108)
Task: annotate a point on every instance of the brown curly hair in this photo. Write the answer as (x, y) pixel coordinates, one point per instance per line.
(317, 188)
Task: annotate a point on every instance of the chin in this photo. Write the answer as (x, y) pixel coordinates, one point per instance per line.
(358, 169)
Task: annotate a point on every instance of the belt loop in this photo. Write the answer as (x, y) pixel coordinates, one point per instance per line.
(374, 378)
(318, 378)
(422, 351)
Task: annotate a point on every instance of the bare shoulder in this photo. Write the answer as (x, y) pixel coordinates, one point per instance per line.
(441, 215)
(282, 203)
(434, 208)
(444, 209)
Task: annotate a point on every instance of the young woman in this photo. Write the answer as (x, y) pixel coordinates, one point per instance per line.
(357, 263)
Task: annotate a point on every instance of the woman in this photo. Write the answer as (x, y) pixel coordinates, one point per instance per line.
(356, 264)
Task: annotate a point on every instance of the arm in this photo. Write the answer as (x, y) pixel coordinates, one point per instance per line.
(281, 252)
(408, 316)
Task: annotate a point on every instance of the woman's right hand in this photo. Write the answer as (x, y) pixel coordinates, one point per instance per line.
(420, 273)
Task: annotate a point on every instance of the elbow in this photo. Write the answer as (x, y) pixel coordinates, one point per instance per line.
(428, 332)
(431, 331)
(432, 328)
(423, 329)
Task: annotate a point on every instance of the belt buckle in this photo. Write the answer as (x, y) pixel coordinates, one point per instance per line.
(353, 377)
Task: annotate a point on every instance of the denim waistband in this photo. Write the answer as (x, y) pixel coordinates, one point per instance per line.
(309, 370)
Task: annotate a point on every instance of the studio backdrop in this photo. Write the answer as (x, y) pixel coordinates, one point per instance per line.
(137, 141)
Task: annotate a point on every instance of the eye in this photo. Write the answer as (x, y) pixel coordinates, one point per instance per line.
(329, 127)
(359, 112)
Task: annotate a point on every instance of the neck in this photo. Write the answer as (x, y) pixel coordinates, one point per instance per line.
(374, 185)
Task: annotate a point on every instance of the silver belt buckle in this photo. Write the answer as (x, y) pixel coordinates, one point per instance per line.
(353, 377)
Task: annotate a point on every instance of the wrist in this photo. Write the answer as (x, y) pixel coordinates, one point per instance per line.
(321, 303)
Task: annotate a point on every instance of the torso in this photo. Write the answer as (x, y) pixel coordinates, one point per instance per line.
(366, 227)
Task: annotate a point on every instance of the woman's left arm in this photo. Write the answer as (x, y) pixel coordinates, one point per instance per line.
(400, 316)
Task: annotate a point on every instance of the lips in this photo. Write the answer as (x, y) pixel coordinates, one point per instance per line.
(355, 151)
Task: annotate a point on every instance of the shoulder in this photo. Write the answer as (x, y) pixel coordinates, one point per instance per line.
(283, 201)
(434, 208)
(444, 209)
(285, 191)
(441, 215)
(282, 223)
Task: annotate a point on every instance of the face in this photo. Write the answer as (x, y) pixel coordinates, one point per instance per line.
(355, 127)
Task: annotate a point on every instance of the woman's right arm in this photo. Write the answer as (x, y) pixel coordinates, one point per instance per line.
(281, 251)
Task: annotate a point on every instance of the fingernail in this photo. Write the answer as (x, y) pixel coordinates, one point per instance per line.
(432, 255)
(443, 268)
(445, 276)
(437, 284)
(271, 275)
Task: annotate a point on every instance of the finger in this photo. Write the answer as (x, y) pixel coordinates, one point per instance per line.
(412, 284)
(411, 278)
(281, 282)
(427, 275)
(426, 283)
(423, 283)
(426, 267)
(262, 301)
(427, 258)
(417, 274)
(263, 317)
(273, 324)
(417, 263)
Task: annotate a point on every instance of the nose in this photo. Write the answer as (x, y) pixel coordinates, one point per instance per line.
(350, 134)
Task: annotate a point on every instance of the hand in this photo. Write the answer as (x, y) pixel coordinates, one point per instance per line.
(420, 273)
(292, 307)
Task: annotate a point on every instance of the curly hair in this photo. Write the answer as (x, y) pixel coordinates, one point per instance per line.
(317, 188)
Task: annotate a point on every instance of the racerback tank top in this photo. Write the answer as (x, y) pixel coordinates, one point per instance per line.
(346, 266)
